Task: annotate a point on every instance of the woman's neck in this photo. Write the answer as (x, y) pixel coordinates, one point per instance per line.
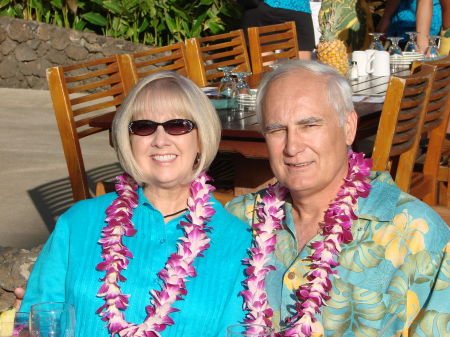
(168, 200)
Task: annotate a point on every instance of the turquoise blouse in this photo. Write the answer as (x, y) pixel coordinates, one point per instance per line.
(296, 5)
(393, 277)
(404, 19)
(66, 269)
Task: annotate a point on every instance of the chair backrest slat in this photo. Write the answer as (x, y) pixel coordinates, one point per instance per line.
(171, 57)
(271, 43)
(401, 124)
(79, 93)
(436, 120)
(206, 54)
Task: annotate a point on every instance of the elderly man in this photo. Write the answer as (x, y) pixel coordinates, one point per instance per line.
(341, 250)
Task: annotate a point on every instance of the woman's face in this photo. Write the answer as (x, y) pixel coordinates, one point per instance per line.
(166, 161)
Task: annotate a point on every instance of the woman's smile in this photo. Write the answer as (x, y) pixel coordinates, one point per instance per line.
(164, 158)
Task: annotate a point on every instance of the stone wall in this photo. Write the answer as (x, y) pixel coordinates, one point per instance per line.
(27, 48)
(15, 268)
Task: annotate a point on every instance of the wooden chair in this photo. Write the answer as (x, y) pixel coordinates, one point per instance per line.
(271, 43)
(80, 92)
(424, 183)
(206, 54)
(444, 212)
(443, 177)
(401, 123)
(171, 57)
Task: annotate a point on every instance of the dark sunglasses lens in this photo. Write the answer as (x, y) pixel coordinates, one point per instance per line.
(178, 126)
(143, 128)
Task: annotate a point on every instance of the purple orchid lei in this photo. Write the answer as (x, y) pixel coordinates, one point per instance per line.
(177, 269)
(336, 230)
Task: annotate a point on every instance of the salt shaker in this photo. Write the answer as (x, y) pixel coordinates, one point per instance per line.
(353, 73)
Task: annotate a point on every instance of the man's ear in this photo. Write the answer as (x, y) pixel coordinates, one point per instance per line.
(350, 127)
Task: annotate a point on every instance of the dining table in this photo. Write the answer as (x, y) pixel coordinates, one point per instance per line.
(241, 133)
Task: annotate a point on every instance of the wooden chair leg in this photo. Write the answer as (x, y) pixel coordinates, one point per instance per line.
(444, 212)
(103, 187)
(223, 196)
(442, 190)
(100, 188)
(447, 194)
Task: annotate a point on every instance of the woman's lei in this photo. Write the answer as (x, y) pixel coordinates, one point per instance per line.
(177, 269)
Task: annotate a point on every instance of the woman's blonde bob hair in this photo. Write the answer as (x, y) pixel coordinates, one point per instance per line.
(167, 91)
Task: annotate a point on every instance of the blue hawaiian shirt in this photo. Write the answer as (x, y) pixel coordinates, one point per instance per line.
(296, 5)
(393, 278)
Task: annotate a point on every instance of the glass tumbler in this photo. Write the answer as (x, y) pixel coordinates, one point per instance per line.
(52, 319)
(249, 330)
(16, 327)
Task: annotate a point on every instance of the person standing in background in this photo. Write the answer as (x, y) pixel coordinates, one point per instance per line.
(422, 16)
(444, 48)
(271, 12)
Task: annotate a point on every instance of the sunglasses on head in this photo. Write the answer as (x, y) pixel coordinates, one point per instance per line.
(173, 127)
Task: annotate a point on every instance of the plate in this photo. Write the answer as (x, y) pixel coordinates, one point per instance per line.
(406, 58)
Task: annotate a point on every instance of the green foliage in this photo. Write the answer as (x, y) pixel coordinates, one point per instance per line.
(153, 22)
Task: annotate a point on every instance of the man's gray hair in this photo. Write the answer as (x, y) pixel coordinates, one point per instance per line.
(339, 92)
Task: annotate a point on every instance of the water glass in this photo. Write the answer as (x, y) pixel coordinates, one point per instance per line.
(394, 48)
(249, 330)
(376, 43)
(227, 83)
(17, 327)
(432, 50)
(52, 319)
(411, 45)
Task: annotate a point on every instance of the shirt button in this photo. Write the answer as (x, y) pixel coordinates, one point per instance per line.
(291, 275)
(162, 241)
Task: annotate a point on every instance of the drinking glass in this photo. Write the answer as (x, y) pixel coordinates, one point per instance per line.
(52, 319)
(411, 45)
(18, 327)
(241, 85)
(376, 43)
(227, 83)
(242, 91)
(394, 48)
(432, 50)
(395, 53)
(249, 330)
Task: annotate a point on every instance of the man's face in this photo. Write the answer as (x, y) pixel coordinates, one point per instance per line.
(307, 146)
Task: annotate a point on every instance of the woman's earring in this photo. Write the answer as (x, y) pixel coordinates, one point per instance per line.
(197, 160)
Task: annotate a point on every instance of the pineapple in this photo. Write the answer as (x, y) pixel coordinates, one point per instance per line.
(6, 322)
(330, 49)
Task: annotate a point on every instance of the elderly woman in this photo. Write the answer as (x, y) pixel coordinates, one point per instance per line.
(160, 255)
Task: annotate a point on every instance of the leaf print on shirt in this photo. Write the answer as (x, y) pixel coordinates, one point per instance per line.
(361, 253)
(443, 281)
(430, 323)
(412, 309)
(417, 269)
(250, 209)
(350, 307)
(286, 249)
(403, 236)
